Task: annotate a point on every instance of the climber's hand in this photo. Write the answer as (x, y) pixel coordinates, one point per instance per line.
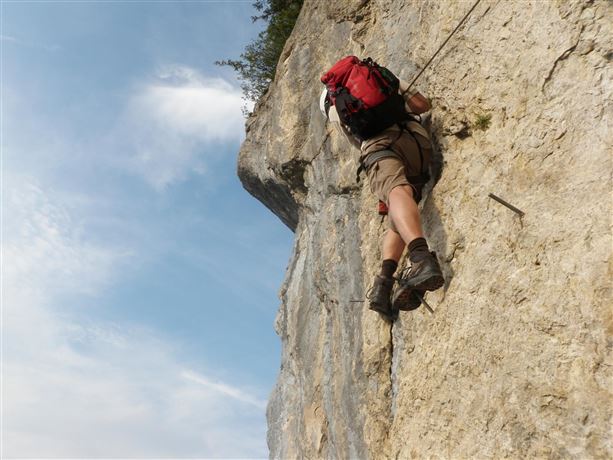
(419, 103)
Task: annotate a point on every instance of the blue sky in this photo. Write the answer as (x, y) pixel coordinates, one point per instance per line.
(139, 279)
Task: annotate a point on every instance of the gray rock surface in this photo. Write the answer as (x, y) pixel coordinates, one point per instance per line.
(516, 362)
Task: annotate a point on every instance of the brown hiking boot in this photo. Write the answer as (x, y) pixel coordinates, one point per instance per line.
(380, 297)
(423, 275)
(404, 298)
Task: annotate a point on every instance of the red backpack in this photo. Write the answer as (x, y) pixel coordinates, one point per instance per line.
(365, 96)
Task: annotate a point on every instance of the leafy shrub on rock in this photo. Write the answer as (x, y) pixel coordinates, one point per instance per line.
(258, 63)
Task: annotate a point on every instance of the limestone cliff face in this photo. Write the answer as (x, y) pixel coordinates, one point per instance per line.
(516, 361)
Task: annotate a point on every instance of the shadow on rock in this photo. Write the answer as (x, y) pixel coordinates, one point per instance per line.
(431, 215)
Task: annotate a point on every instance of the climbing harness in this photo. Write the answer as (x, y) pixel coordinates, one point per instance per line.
(441, 47)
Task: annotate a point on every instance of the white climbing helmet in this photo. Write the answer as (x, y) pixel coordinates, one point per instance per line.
(332, 114)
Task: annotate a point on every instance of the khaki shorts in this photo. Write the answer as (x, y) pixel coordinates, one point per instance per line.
(390, 172)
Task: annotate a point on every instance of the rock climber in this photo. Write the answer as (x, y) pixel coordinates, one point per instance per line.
(396, 160)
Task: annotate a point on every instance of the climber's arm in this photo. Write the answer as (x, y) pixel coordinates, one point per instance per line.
(419, 103)
(415, 101)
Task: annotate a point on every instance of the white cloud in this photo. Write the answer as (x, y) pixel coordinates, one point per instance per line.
(46, 247)
(29, 44)
(171, 126)
(75, 386)
(224, 389)
(166, 129)
(208, 109)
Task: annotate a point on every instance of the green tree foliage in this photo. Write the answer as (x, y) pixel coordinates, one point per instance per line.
(257, 64)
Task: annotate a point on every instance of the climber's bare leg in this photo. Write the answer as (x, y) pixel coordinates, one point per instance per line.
(404, 212)
(393, 245)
